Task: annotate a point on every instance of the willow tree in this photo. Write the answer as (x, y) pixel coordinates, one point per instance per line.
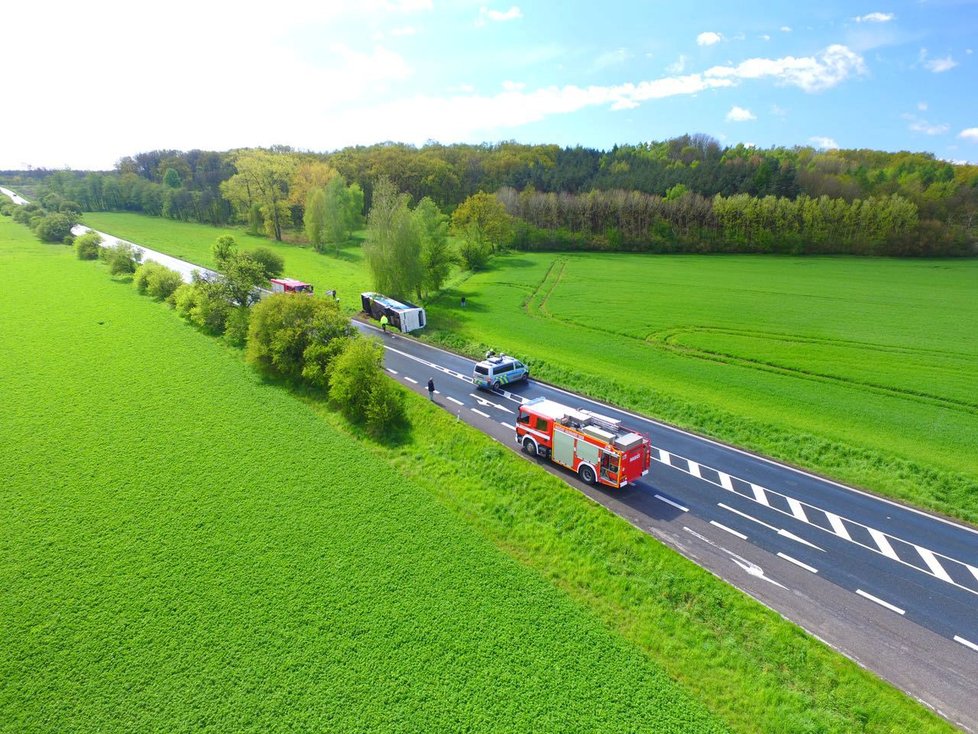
(262, 180)
(393, 244)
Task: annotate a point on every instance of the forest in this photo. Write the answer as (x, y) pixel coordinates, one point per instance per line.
(686, 194)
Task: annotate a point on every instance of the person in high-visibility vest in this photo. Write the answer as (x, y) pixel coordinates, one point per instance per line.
(384, 322)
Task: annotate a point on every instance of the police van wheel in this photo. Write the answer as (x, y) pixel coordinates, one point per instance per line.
(587, 474)
(529, 447)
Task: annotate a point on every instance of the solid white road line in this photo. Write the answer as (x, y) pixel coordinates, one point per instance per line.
(411, 380)
(476, 410)
(966, 643)
(729, 530)
(670, 502)
(760, 494)
(884, 545)
(457, 402)
(838, 526)
(880, 602)
(797, 562)
(933, 564)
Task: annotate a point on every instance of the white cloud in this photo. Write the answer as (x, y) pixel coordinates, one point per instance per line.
(875, 18)
(823, 143)
(785, 29)
(611, 58)
(513, 86)
(499, 16)
(811, 74)
(945, 63)
(739, 114)
(922, 106)
(922, 126)
(678, 66)
(970, 134)
(778, 111)
(708, 38)
(765, 37)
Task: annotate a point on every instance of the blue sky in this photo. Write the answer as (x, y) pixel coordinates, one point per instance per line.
(109, 79)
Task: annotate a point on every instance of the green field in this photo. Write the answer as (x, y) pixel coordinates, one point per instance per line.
(860, 368)
(187, 547)
(345, 272)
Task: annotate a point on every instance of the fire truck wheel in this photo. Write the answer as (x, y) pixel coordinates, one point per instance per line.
(529, 447)
(587, 474)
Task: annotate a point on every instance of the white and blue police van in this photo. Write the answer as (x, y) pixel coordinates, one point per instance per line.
(495, 371)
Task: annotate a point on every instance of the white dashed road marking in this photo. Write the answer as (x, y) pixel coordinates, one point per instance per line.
(411, 380)
(729, 530)
(457, 402)
(671, 502)
(879, 601)
(798, 563)
(476, 410)
(966, 643)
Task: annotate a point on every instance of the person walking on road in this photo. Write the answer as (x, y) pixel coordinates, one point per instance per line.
(431, 389)
(384, 322)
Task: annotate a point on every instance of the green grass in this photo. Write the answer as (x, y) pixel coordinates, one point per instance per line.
(858, 368)
(345, 272)
(187, 547)
(863, 369)
(216, 562)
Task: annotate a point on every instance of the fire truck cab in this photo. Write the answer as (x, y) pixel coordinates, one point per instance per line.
(597, 448)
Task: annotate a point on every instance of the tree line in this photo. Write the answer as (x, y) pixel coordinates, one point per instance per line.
(269, 189)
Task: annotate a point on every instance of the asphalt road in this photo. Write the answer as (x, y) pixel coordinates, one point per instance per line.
(891, 587)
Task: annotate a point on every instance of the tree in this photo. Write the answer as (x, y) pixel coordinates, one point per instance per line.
(436, 254)
(272, 264)
(337, 224)
(288, 330)
(262, 179)
(393, 245)
(156, 280)
(314, 218)
(241, 279)
(483, 215)
(223, 250)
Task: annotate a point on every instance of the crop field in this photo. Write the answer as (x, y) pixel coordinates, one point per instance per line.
(344, 272)
(861, 368)
(187, 547)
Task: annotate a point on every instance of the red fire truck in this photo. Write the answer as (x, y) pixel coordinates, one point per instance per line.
(598, 448)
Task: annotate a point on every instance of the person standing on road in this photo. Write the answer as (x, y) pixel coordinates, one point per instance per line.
(384, 322)
(431, 389)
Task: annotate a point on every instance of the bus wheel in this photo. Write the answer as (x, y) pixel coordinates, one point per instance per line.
(529, 447)
(587, 474)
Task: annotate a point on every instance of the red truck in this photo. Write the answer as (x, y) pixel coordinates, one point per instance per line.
(599, 449)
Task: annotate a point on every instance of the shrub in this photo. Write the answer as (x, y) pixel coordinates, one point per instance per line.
(475, 253)
(385, 413)
(156, 280)
(54, 228)
(236, 326)
(353, 376)
(122, 259)
(203, 304)
(272, 264)
(88, 246)
(284, 325)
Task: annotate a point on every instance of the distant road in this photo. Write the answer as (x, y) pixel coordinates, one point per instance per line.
(889, 586)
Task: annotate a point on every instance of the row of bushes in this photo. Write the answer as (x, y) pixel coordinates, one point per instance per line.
(50, 225)
(302, 339)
